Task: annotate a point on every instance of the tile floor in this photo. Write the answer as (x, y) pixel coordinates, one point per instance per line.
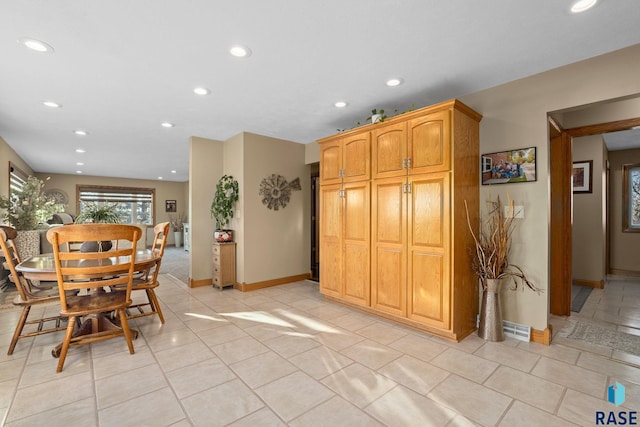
(284, 356)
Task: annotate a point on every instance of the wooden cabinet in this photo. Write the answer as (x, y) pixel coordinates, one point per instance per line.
(224, 264)
(395, 241)
(345, 159)
(344, 241)
(420, 145)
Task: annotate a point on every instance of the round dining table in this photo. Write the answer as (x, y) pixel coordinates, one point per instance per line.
(42, 268)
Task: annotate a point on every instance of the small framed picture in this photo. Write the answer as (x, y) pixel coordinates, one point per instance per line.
(582, 176)
(170, 205)
(507, 167)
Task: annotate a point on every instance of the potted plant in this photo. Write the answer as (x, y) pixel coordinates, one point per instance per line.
(377, 116)
(26, 211)
(491, 264)
(222, 206)
(94, 213)
(177, 225)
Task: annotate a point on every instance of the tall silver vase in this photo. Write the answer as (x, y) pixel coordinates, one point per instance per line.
(490, 327)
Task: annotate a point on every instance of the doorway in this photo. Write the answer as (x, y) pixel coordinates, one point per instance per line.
(315, 224)
(561, 205)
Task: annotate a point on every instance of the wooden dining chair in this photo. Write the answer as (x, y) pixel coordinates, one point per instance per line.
(95, 274)
(148, 280)
(28, 294)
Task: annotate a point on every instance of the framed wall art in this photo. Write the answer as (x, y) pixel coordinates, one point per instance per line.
(582, 176)
(169, 205)
(506, 167)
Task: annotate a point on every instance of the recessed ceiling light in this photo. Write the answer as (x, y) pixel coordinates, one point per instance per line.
(340, 104)
(582, 5)
(240, 51)
(79, 164)
(394, 82)
(174, 171)
(81, 132)
(167, 125)
(159, 177)
(37, 45)
(51, 104)
(80, 150)
(78, 171)
(201, 91)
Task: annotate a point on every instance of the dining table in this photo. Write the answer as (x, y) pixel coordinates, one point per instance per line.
(42, 268)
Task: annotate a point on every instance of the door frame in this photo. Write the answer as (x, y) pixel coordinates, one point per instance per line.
(561, 205)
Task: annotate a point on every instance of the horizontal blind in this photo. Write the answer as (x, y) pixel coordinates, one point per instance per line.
(17, 179)
(114, 195)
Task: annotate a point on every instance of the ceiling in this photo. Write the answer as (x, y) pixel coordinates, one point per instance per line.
(122, 67)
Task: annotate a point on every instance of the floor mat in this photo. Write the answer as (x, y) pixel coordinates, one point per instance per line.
(594, 334)
(579, 295)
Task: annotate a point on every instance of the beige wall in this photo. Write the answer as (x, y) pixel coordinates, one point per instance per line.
(7, 154)
(205, 168)
(623, 246)
(164, 190)
(589, 213)
(276, 243)
(269, 244)
(515, 115)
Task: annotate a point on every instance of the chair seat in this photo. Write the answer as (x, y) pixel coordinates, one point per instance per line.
(96, 303)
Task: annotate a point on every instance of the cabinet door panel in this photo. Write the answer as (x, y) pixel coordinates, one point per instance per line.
(429, 143)
(389, 293)
(389, 264)
(357, 157)
(331, 162)
(330, 240)
(356, 239)
(429, 239)
(389, 148)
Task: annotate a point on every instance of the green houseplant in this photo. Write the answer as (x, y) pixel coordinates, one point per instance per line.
(222, 206)
(26, 211)
(94, 213)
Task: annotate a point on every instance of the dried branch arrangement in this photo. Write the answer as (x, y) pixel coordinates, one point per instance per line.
(493, 244)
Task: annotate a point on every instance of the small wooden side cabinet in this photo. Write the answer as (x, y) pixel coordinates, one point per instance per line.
(224, 264)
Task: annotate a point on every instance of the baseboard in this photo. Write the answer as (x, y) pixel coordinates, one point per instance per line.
(246, 287)
(596, 284)
(200, 282)
(542, 337)
(619, 272)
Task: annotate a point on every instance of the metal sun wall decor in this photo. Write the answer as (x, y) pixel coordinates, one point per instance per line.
(276, 191)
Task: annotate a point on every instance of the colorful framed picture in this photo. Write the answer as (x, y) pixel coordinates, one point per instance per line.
(169, 205)
(506, 167)
(582, 176)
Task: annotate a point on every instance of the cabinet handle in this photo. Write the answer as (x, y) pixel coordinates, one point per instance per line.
(404, 163)
(409, 188)
(341, 194)
(408, 162)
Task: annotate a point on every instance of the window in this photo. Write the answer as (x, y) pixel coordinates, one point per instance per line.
(136, 205)
(631, 198)
(487, 164)
(17, 178)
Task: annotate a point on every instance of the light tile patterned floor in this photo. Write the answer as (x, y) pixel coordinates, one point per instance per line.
(285, 356)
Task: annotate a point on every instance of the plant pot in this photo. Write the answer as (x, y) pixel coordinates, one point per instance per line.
(28, 243)
(375, 118)
(177, 237)
(223, 236)
(490, 328)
